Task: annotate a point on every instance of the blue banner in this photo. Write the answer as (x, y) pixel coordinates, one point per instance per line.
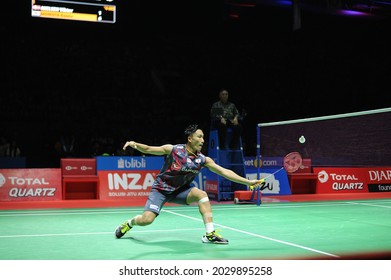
(129, 163)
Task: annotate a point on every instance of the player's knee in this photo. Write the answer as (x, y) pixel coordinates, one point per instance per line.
(200, 194)
(196, 195)
(203, 199)
(203, 194)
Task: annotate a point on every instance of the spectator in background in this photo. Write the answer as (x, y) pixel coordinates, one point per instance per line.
(68, 143)
(3, 146)
(224, 115)
(13, 150)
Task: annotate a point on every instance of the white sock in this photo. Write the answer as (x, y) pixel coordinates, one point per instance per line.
(132, 222)
(209, 227)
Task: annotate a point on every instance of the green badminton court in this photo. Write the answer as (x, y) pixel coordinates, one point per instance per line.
(292, 230)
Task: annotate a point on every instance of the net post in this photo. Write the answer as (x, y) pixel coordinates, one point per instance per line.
(258, 159)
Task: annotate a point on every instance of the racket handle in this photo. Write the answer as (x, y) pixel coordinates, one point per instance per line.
(253, 186)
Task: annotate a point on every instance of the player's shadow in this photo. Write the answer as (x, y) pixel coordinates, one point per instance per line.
(173, 249)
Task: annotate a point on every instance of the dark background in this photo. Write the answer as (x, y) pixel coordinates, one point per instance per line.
(161, 65)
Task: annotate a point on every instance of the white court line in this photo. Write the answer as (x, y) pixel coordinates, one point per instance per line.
(215, 207)
(56, 213)
(370, 204)
(93, 233)
(257, 235)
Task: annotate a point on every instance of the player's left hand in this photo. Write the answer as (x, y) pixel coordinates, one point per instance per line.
(130, 144)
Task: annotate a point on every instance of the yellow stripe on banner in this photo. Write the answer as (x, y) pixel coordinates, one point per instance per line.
(72, 16)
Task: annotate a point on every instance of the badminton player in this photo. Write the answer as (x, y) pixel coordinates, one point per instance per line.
(182, 164)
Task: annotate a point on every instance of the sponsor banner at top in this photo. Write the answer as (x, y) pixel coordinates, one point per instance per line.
(129, 163)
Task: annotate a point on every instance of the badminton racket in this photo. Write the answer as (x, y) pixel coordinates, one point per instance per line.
(291, 163)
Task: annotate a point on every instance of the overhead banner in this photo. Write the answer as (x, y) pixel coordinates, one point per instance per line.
(30, 184)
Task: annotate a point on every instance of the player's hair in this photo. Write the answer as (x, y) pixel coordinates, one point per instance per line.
(190, 130)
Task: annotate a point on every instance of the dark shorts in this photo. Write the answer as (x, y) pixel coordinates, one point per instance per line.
(157, 199)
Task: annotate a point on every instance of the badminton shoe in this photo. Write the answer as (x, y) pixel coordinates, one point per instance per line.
(122, 229)
(214, 237)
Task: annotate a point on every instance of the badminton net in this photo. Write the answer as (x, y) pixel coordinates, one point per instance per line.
(351, 139)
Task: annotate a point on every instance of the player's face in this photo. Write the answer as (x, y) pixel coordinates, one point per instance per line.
(197, 140)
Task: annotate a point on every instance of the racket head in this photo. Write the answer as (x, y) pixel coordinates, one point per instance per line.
(292, 162)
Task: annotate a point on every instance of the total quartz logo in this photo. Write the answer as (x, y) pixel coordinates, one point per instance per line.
(323, 177)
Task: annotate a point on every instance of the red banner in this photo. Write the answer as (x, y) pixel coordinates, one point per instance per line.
(78, 166)
(353, 180)
(126, 184)
(211, 186)
(340, 180)
(30, 184)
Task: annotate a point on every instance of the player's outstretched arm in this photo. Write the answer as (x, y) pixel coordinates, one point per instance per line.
(229, 174)
(146, 149)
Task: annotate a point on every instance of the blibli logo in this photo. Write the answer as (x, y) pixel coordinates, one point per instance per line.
(132, 163)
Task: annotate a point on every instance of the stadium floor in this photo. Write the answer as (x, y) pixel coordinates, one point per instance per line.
(300, 230)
